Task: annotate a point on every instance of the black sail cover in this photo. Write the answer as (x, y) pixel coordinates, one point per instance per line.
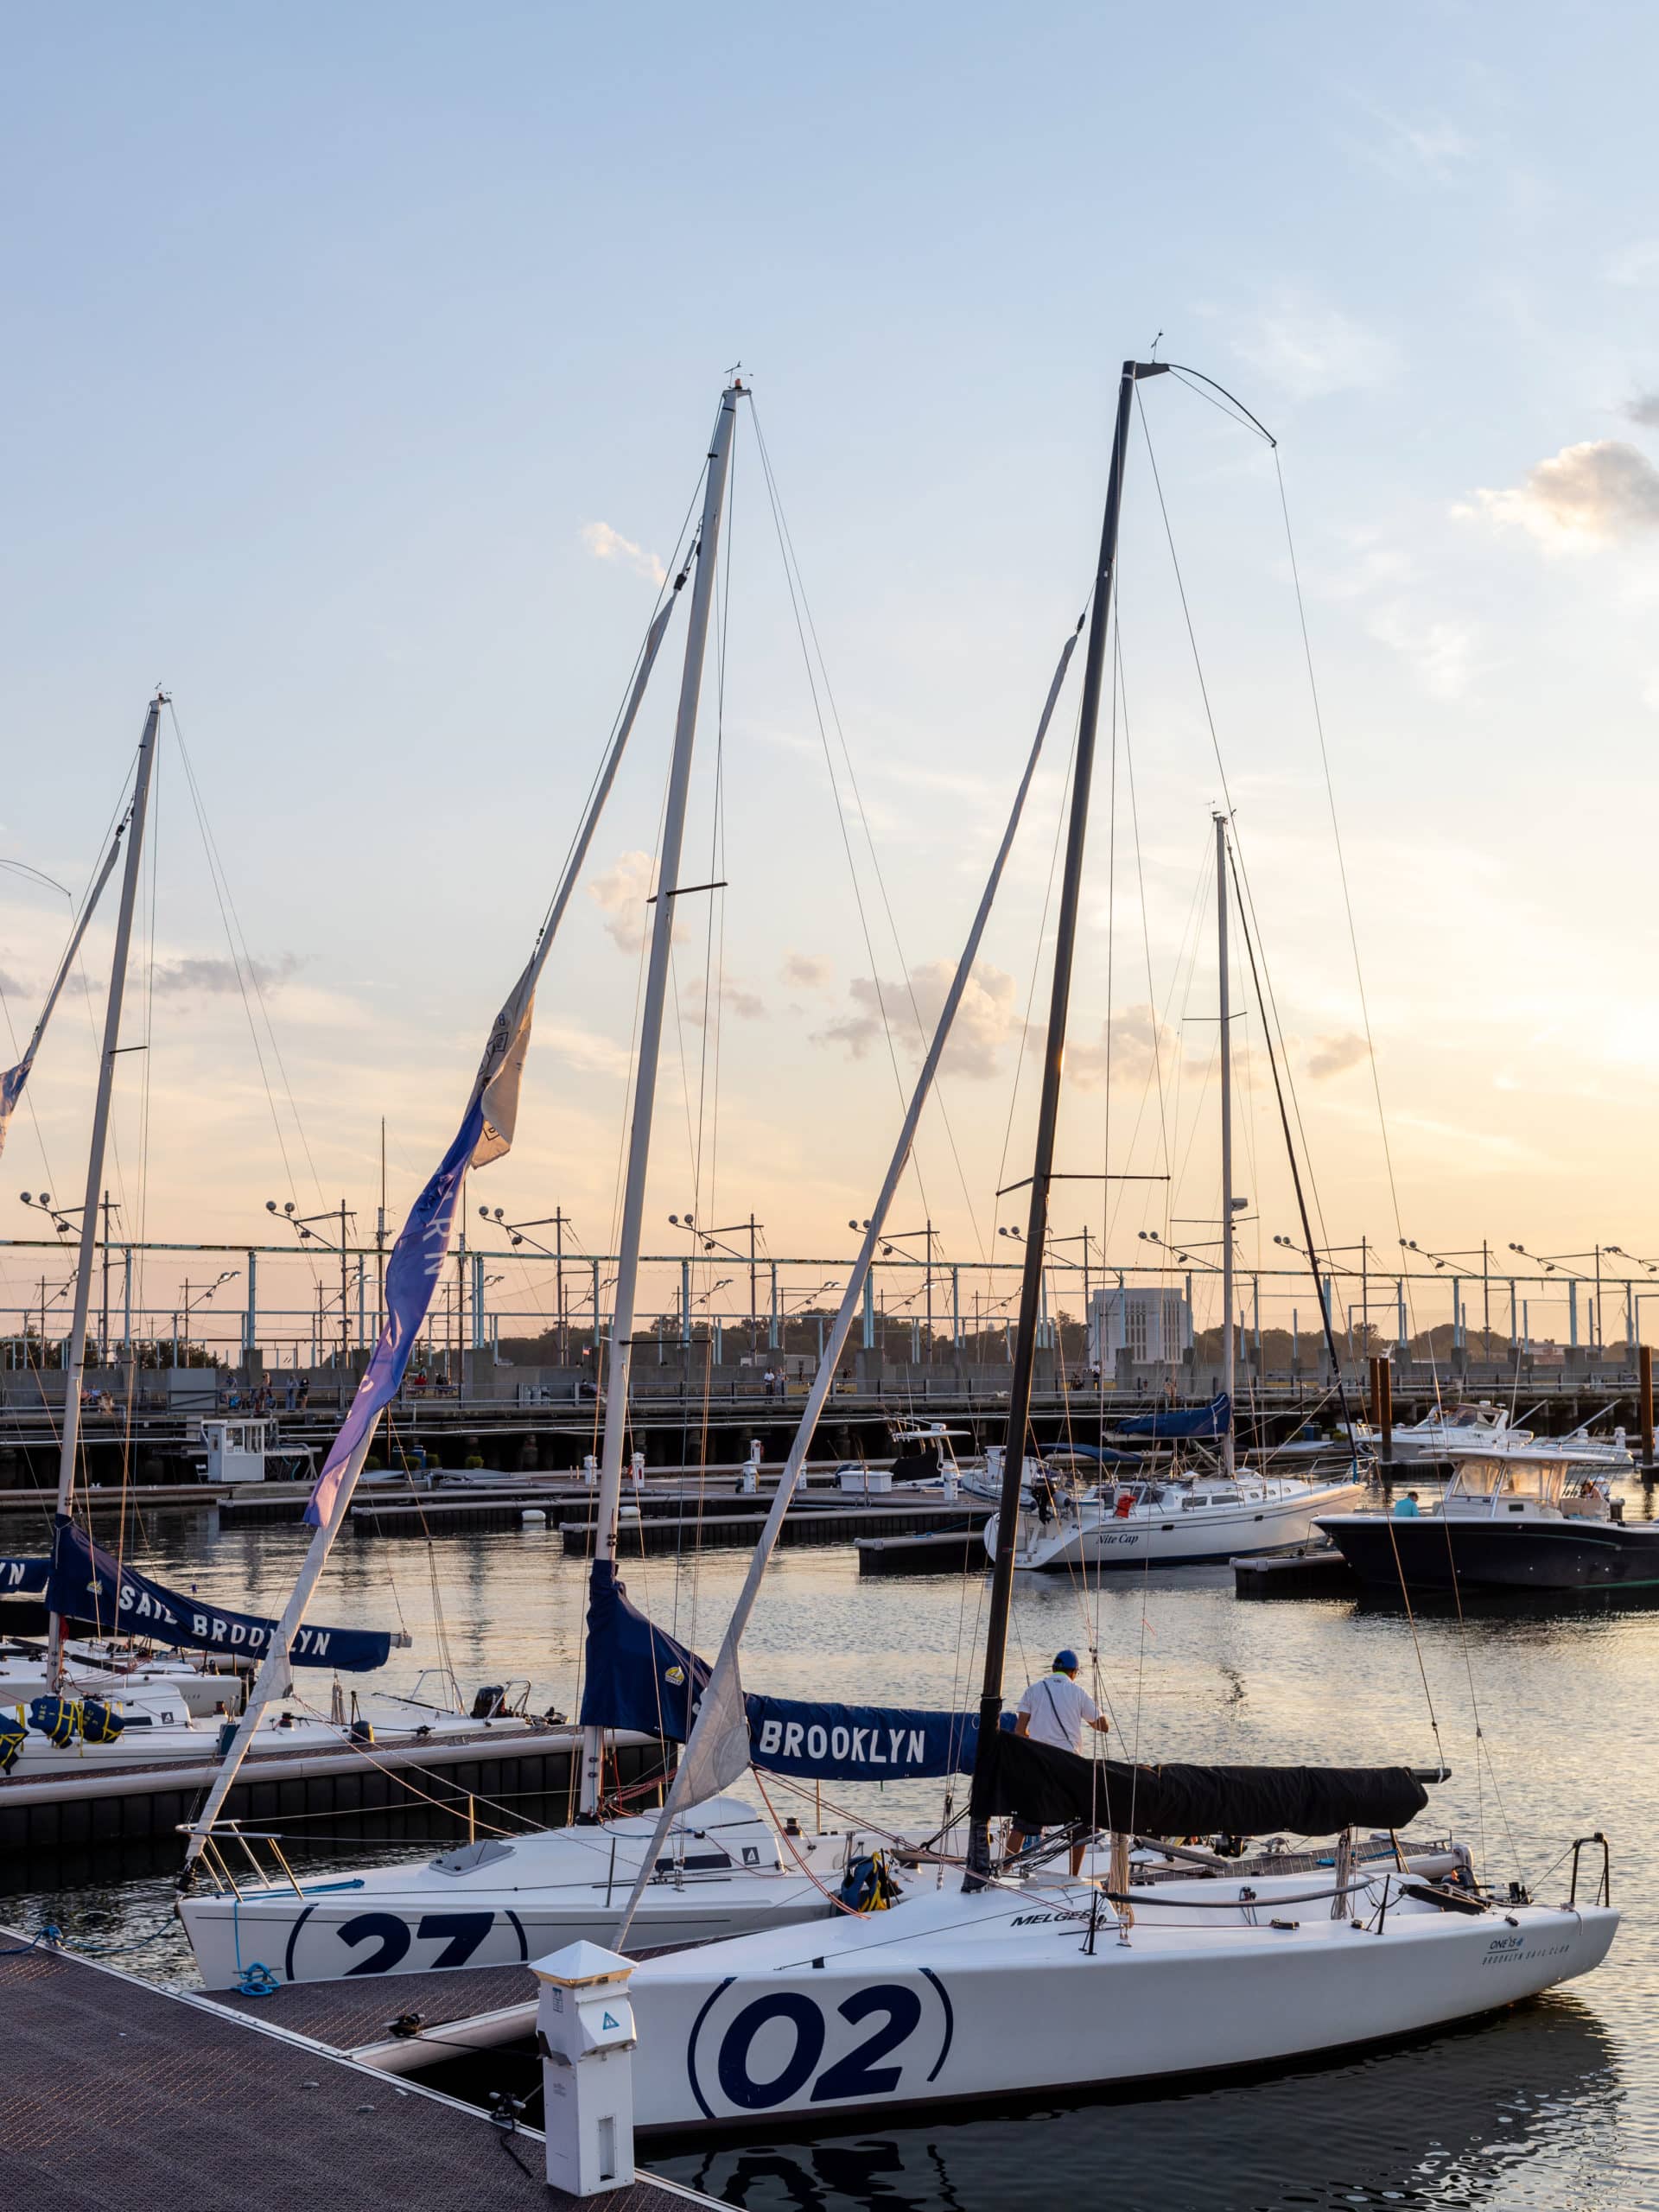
(1046, 1788)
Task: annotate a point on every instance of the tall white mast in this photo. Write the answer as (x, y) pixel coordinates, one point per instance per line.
(651, 1033)
(1227, 1358)
(77, 1366)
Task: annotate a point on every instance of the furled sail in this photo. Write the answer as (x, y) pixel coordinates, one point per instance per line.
(1178, 1424)
(638, 1676)
(1044, 1787)
(86, 1584)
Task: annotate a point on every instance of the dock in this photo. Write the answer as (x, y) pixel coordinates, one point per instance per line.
(110, 1804)
(1319, 1572)
(827, 1524)
(118, 2091)
(951, 1551)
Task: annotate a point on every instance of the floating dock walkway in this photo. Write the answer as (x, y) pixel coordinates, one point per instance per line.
(109, 1804)
(119, 2091)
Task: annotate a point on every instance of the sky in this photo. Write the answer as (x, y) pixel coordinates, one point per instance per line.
(359, 367)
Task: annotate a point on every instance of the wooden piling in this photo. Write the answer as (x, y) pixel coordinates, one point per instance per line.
(1644, 1402)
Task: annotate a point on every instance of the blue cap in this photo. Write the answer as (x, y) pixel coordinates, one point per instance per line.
(1066, 1662)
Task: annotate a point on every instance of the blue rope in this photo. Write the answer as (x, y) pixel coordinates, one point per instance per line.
(257, 1981)
(50, 1938)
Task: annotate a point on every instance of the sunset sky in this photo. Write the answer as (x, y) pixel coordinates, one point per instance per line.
(359, 368)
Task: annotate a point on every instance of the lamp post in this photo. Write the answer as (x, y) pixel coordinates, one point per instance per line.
(301, 1224)
(754, 1230)
(1555, 1263)
(558, 1221)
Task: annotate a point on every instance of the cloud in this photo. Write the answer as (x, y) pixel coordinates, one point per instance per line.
(1312, 351)
(1134, 1046)
(607, 544)
(807, 971)
(582, 1050)
(1602, 489)
(1644, 408)
(621, 893)
(204, 978)
(746, 1005)
(985, 1019)
(1430, 148)
(9, 984)
(1329, 1056)
(1440, 651)
(1634, 264)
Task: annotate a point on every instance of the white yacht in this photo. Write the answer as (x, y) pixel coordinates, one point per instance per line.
(1484, 1424)
(1183, 1521)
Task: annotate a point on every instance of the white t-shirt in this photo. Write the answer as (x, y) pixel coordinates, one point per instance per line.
(1059, 1708)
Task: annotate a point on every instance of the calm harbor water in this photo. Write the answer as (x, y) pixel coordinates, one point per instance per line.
(1553, 2105)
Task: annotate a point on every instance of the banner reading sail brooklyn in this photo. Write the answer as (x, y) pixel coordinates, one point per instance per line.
(87, 1584)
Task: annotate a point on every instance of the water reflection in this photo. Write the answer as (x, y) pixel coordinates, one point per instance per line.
(1485, 2115)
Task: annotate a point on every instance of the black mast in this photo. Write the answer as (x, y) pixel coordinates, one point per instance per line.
(1024, 1349)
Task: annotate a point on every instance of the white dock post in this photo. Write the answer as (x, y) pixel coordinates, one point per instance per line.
(751, 1468)
(589, 1470)
(584, 2031)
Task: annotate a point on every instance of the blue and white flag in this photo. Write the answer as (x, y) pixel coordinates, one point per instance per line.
(417, 1257)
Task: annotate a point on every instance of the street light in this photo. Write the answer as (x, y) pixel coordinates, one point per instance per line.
(558, 1221)
(301, 1224)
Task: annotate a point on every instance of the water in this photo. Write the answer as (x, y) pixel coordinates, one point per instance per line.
(1552, 2104)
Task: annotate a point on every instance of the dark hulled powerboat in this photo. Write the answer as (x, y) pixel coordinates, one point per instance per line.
(1529, 1519)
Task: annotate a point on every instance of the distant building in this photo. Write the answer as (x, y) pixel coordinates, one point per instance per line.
(1152, 1323)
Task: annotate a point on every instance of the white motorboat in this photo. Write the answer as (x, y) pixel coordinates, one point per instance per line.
(1483, 1424)
(1037, 1988)
(1181, 1522)
(724, 1871)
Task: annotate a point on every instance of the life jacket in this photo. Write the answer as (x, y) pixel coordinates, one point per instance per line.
(867, 1886)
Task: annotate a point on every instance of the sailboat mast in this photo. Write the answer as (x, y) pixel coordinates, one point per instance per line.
(77, 1365)
(1031, 1288)
(651, 1033)
(1228, 1455)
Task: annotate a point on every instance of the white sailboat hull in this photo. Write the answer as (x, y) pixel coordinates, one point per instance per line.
(957, 1998)
(545, 1891)
(1091, 1534)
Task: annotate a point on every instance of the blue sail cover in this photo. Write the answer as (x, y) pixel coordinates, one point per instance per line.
(23, 1578)
(1177, 1424)
(859, 1742)
(639, 1677)
(635, 1676)
(86, 1584)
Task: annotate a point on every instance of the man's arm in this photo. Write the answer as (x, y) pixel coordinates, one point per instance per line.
(1022, 1724)
(1099, 1724)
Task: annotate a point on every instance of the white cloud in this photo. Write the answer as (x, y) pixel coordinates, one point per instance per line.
(1134, 1046)
(985, 1019)
(1602, 489)
(1329, 1056)
(1427, 149)
(1644, 408)
(807, 971)
(1439, 650)
(746, 1005)
(1634, 264)
(581, 1049)
(607, 544)
(621, 893)
(1310, 350)
(204, 977)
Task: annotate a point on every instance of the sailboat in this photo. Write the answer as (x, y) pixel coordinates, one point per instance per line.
(1010, 1985)
(722, 1865)
(1173, 1519)
(83, 1710)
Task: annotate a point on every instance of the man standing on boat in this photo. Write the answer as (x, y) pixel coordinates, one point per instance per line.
(1056, 1709)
